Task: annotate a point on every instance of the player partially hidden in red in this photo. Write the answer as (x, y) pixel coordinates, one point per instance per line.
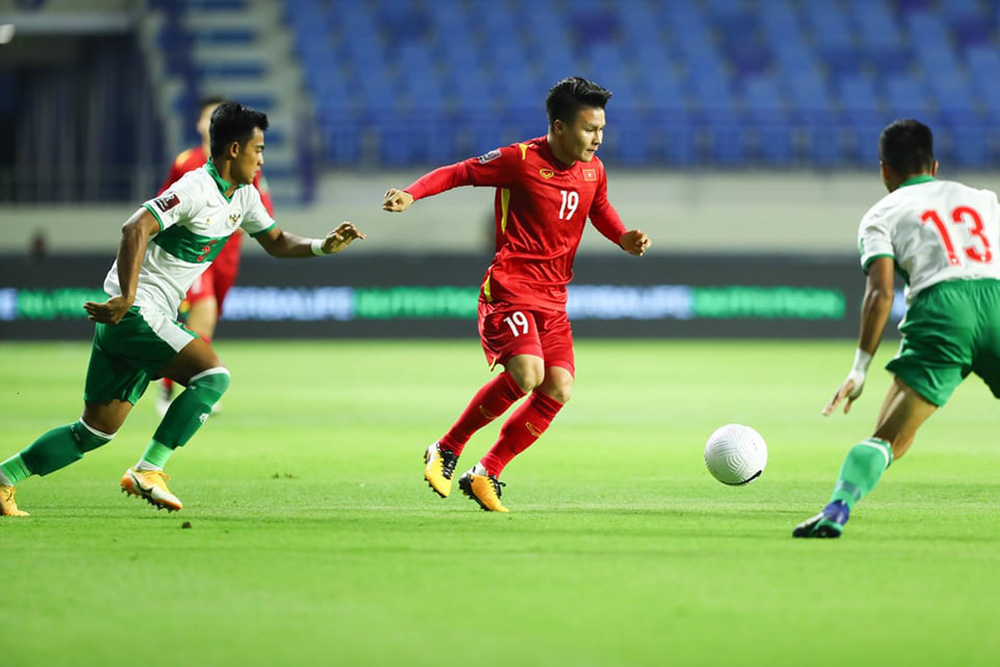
(203, 304)
(546, 189)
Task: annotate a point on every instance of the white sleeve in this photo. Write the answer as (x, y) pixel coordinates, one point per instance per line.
(179, 202)
(256, 219)
(874, 236)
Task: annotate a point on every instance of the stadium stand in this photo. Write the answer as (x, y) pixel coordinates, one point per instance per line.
(697, 83)
(231, 48)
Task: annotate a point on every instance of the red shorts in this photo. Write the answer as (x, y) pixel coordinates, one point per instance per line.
(218, 278)
(507, 330)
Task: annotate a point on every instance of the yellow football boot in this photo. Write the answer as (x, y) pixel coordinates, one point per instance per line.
(484, 489)
(439, 466)
(151, 485)
(7, 505)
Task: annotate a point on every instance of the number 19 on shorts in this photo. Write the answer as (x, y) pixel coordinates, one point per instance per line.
(517, 322)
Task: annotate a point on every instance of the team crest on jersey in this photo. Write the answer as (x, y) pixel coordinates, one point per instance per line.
(489, 157)
(546, 173)
(589, 174)
(167, 202)
(234, 219)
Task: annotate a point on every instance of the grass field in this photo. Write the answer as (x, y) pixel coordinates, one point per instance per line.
(313, 539)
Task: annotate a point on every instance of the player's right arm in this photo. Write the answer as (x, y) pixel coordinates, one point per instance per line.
(875, 311)
(497, 168)
(131, 250)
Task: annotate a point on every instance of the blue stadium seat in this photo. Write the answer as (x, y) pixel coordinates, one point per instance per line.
(767, 119)
(730, 82)
(907, 98)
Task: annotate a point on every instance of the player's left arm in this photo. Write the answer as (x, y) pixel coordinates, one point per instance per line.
(607, 221)
(279, 243)
(498, 168)
(875, 311)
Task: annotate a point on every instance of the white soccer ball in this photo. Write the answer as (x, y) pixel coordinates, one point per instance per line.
(735, 454)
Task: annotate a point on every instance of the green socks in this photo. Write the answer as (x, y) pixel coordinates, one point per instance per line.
(155, 456)
(66, 444)
(13, 470)
(54, 450)
(186, 414)
(861, 471)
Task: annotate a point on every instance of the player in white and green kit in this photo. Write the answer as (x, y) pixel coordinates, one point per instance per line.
(943, 238)
(164, 247)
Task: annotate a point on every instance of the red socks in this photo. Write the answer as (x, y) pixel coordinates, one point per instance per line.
(491, 401)
(521, 430)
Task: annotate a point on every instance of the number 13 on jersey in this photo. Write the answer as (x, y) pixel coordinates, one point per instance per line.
(978, 250)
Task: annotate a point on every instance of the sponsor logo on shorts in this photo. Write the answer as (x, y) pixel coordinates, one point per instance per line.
(489, 157)
(589, 174)
(546, 173)
(167, 202)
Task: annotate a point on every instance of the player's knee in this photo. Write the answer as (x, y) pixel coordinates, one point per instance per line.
(529, 380)
(88, 437)
(560, 391)
(527, 374)
(211, 383)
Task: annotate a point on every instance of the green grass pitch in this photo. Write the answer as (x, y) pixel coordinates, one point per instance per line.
(314, 540)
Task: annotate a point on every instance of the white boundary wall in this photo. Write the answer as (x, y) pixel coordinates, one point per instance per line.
(739, 212)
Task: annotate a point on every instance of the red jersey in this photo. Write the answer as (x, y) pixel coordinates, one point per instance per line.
(541, 206)
(194, 158)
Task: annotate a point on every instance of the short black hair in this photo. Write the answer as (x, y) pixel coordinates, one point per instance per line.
(907, 147)
(233, 121)
(211, 101)
(567, 97)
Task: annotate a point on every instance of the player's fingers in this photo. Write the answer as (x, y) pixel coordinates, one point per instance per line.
(832, 405)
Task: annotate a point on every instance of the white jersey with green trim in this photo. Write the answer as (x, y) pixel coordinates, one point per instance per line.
(196, 219)
(934, 231)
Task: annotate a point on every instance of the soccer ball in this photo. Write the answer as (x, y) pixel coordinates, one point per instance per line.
(735, 454)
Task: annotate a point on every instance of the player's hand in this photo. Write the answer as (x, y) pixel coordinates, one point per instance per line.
(341, 237)
(396, 201)
(850, 390)
(634, 242)
(109, 312)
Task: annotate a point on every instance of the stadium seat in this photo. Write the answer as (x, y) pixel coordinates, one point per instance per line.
(739, 83)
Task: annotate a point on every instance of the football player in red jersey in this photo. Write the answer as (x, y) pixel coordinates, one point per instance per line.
(203, 303)
(546, 188)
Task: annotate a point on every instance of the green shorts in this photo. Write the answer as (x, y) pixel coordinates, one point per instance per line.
(952, 329)
(127, 355)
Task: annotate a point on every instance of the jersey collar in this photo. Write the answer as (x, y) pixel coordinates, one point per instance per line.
(550, 155)
(220, 182)
(922, 178)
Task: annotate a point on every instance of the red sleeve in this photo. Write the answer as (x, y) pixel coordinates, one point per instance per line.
(604, 216)
(175, 174)
(498, 168)
(260, 183)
